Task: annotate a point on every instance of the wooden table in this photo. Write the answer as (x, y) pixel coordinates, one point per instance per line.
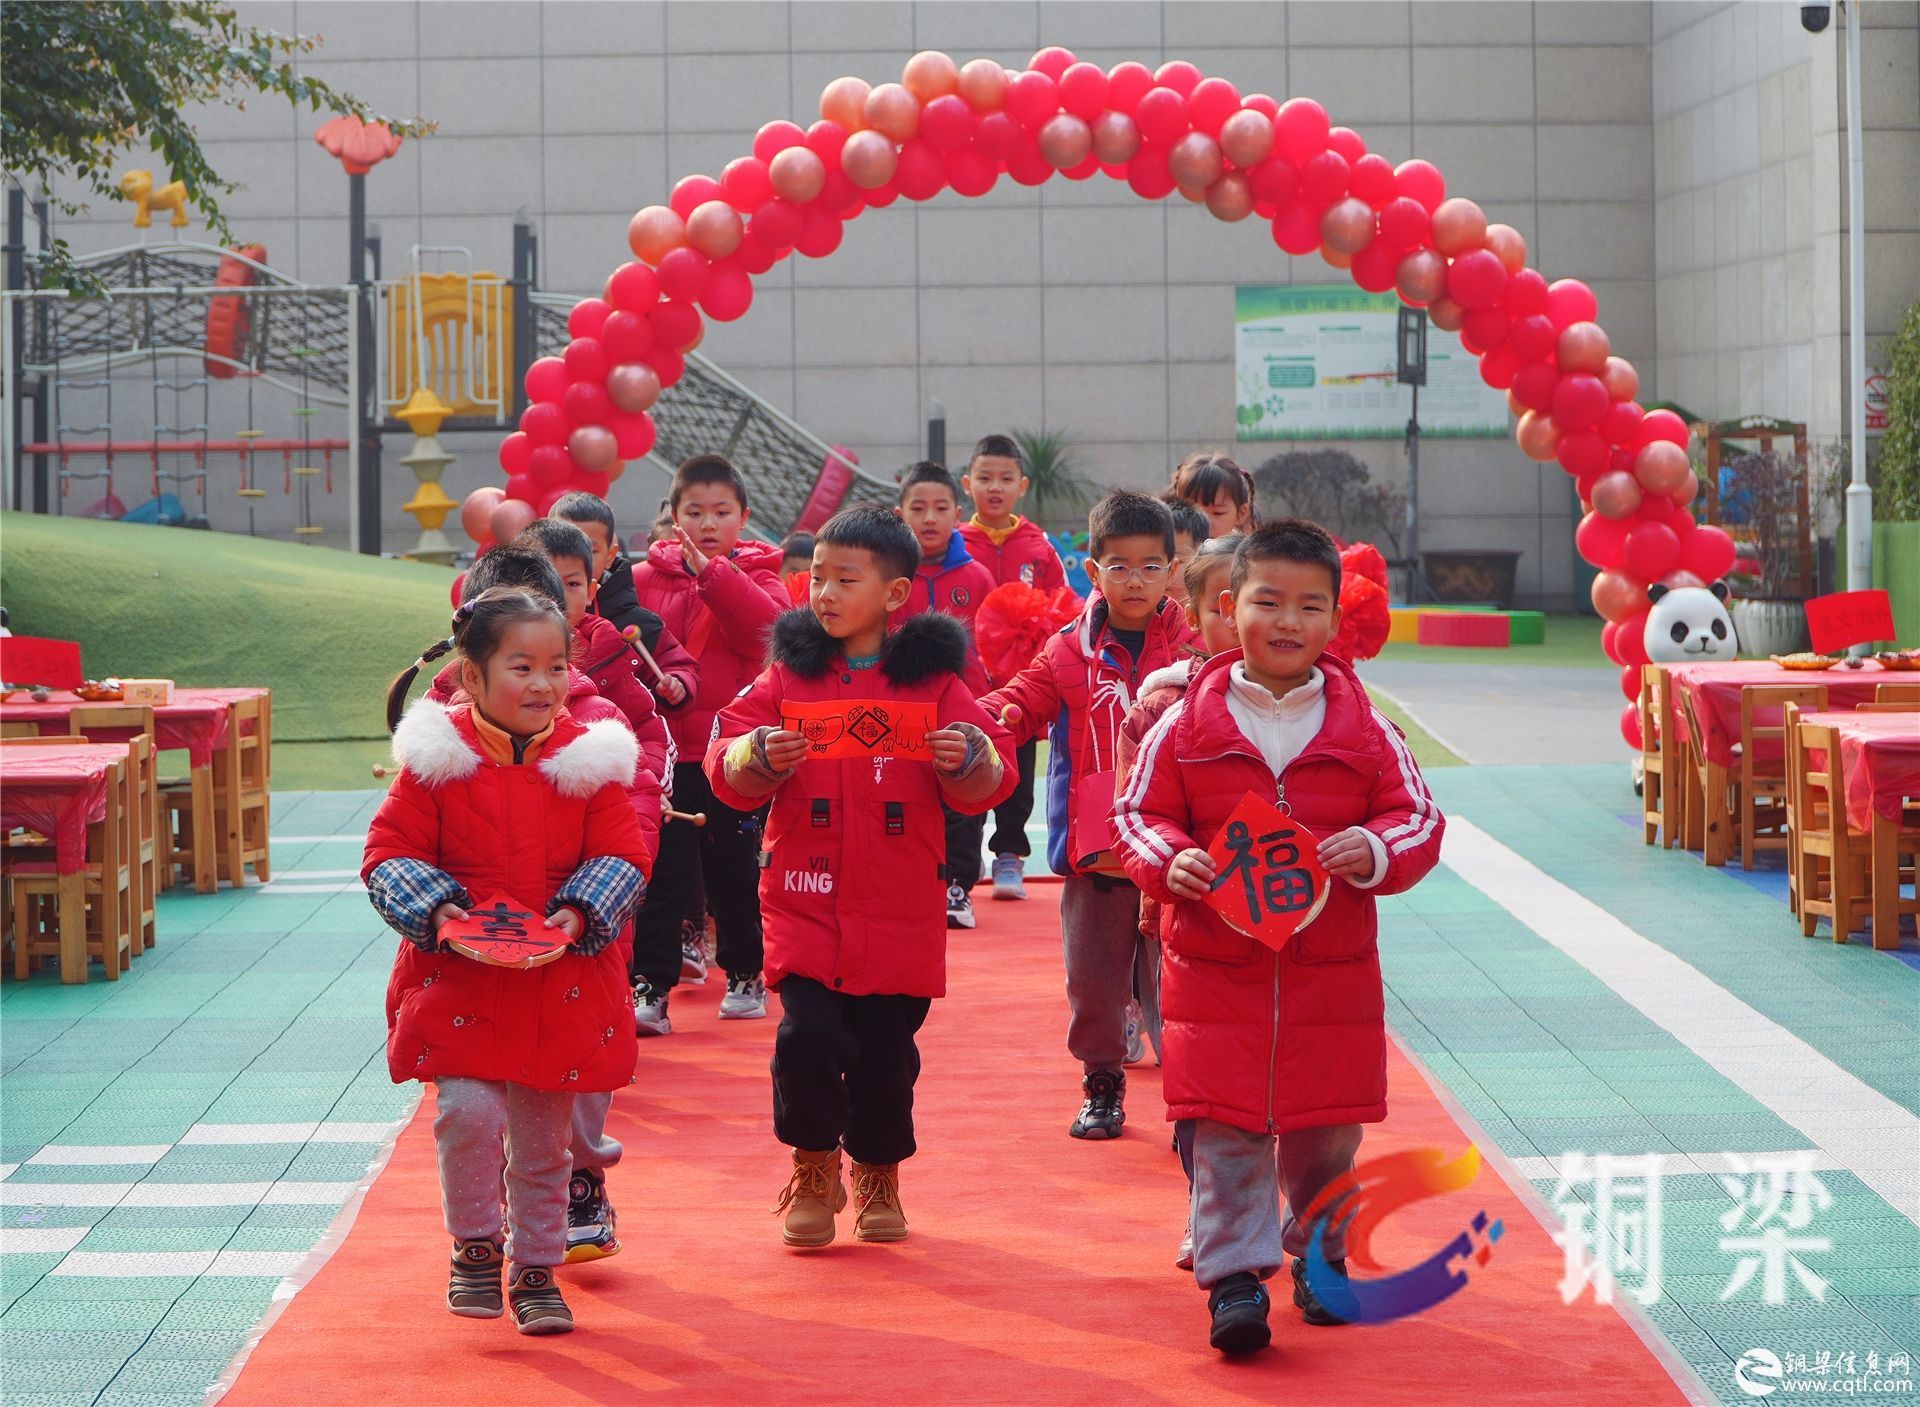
(60, 792)
(1714, 689)
(1880, 768)
(196, 720)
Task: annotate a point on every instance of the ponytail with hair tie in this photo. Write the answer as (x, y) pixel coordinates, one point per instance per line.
(500, 605)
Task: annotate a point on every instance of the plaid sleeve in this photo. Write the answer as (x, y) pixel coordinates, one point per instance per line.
(405, 892)
(606, 890)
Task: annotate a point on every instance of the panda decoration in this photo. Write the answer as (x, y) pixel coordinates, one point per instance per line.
(1689, 623)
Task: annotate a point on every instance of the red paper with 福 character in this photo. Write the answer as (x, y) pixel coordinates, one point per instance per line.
(1268, 880)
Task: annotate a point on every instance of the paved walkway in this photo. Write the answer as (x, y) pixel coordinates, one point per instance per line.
(1535, 715)
(175, 1146)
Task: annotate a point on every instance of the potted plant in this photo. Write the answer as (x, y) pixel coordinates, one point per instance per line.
(1058, 492)
(1763, 502)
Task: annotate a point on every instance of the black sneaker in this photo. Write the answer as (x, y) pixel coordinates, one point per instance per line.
(1239, 1307)
(959, 907)
(650, 1011)
(1311, 1309)
(538, 1307)
(590, 1219)
(473, 1292)
(1102, 1115)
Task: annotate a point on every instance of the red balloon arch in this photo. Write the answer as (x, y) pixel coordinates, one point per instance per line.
(1172, 129)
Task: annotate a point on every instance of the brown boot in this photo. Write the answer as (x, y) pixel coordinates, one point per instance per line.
(813, 1195)
(876, 1197)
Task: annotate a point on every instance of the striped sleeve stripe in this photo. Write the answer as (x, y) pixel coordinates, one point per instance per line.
(1145, 841)
(1425, 815)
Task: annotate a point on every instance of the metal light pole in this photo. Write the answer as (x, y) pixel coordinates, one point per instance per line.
(1859, 496)
(937, 430)
(1411, 348)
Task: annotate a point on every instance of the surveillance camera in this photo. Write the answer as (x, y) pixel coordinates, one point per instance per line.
(1815, 18)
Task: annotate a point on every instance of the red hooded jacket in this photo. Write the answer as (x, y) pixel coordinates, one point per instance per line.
(1077, 691)
(723, 617)
(509, 832)
(1026, 555)
(1261, 1040)
(956, 585)
(851, 895)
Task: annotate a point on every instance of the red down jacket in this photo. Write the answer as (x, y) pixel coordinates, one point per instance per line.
(852, 894)
(1261, 1040)
(722, 616)
(519, 833)
(956, 584)
(1026, 555)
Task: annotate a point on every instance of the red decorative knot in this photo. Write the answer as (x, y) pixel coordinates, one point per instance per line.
(360, 146)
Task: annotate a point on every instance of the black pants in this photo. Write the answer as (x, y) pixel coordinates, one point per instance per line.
(1010, 816)
(844, 1069)
(726, 854)
(963, 847)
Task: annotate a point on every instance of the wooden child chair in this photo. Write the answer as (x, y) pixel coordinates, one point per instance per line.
(1828, 877)
(242, 784)
(1763, 785)
(1663, 787)
(106, 894)
(143, 798)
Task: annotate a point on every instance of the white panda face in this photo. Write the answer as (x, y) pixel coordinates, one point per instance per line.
(1689, 624)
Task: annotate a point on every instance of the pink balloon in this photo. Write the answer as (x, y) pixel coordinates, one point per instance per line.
(1630, 678)
(547, 379)
(777, 224)
(1347, 142)
(1570, 301)
(997, 136)
(633, 387)
(593, 448)
(510, 518)
(551, 465)
(676, 326)
(970, 173)
(476, 512)
(1707, 552)
(1275, 180)
(1127, 84)
(1161, 115)
(1301, 130)
(1630, 639)
(667, 364)
(1652, 550)
(1616, 495)
(1485, 329)
(1497, 368)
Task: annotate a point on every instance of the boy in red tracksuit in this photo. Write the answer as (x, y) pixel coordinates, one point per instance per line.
(1078, 690)
(1011, 548)
(856, 946)
(720, 597)
(1284, 721)
(951, 581)
(613, 600)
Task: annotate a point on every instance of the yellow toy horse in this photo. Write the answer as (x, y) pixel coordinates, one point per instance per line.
(137, 186)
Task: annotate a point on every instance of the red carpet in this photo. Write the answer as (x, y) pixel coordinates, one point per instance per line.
(1040, 1269)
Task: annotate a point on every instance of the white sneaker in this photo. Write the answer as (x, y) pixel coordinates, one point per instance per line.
(650, 1011)
(959, 907)
(1136, 1034)
(1009, 877)
(746, 998)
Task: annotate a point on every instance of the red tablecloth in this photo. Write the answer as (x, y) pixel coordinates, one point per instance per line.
(1715, 690)
(1879, 760)
(196, 719)
(59, 792)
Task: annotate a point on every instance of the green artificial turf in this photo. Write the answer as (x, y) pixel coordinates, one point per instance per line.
(1571, 641)
(324, 629)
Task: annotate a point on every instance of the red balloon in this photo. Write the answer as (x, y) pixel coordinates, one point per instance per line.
(996, 136)
(753, 256)
(586, 403)
(587, 360)
(948, 122)
(1052, 61)
(1600, 540)
(1421, 181)
(634, 433)
(522, 487)
(1707, 552)
(922, 174)
(515, 450)
(1323, 179)
(1347, 142)
(1274, 180)
(1630, 726)
(1583, 452)
(1261, 104)
(547, 380)
(1301, 129)
(545, 423)
(1028, 166)
(1622, 423)
(1161, 116)
(1372, 181)
(1375, 266)
(1607, 633)
(634, 287)
(777, 224)
(692, 192)
(675, 325)
(972, 174)
(1526, 295)
(775, 138)
(1579, 402)
(1032, 98)
(588, 481)
(1403, 221)
(551, 465)
(1498, 366)
(1178, 75)
(1485, 329)
(1533, 385)
(745, 184)
(1151, 178)
(1127, 84)
(820, 233)
(824, 140)
(1532, 336)
(587, 316)
(684, 272)
(1570, 301)
(729, 293)
(1663, 425)
(668, 365)
(1630, 681)
(1476, 280)
(1212, 102)
(1630, 641)
(1296, 229)
(1652, 550)
(1083, 90)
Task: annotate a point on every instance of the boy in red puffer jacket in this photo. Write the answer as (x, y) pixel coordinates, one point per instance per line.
(856, 943)
(720, 597)
(1078, 690)
(1283, 720)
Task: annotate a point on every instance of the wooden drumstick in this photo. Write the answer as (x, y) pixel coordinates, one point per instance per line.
(632, 636)
(380, 772)
(697, 818)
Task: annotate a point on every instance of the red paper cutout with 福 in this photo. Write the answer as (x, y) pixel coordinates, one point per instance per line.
(1268, 880)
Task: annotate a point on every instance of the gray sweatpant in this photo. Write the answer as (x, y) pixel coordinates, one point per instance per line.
(1099, 927)
(489, 1133)
(1237, 1181)
(591, 1148)
(1146, 986)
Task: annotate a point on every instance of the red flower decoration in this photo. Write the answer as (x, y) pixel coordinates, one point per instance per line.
(1015, 620)
(1364, 559)
(798, 584)
(359, 146)
(1364, 617)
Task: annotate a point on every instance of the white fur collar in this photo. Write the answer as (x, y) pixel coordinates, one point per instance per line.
(1179, 674)
(427, 744)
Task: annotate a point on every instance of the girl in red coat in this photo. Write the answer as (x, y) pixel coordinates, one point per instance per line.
(856, 932)
(1273, 1055)
(507, 798)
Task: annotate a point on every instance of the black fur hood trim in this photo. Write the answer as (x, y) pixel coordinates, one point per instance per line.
(930, 643)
